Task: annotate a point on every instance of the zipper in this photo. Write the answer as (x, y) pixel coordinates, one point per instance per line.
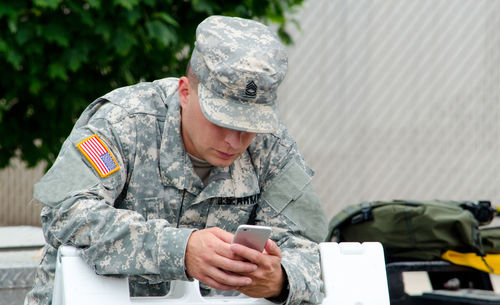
(180, 208)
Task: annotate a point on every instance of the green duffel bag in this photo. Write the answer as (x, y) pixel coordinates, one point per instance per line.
(418, 230)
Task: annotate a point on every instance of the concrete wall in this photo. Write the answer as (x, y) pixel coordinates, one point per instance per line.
(397, 99)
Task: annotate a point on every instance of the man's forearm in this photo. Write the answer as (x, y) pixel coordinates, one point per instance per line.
(116, 241)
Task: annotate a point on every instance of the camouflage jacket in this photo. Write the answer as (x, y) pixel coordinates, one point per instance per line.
(136, 221)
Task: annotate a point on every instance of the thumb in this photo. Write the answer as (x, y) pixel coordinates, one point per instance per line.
(272, 248)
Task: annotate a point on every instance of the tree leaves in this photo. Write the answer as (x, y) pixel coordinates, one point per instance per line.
(57, 70)
(14, 58)
(128, 4)
(123, 41)
(159, 31)
(53, 4)
(205, 6)
(166, 18)
(57, 33)
(9, 8)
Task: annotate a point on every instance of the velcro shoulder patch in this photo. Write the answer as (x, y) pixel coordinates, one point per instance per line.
(99, 155)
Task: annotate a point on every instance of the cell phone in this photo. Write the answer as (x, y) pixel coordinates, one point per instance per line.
(252, 236)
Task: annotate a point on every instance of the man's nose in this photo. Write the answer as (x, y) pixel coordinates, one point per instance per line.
(233, 138)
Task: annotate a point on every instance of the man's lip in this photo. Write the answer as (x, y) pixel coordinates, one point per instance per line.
(225, 155)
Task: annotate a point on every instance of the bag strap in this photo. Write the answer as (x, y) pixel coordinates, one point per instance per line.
(362, 211)
(356, 213)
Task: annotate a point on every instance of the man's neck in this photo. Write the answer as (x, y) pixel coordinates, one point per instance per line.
(202, 168)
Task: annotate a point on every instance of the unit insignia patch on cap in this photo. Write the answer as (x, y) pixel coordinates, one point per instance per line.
(99, 155)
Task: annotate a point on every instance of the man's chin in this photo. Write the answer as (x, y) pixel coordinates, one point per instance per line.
(221, 162)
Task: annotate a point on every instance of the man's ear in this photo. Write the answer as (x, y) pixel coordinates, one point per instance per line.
(183, 91)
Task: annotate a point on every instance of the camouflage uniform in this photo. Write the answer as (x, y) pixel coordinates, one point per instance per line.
(136, 221)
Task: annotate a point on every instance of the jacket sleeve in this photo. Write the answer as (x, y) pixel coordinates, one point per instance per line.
(291, 206)
(79, 207)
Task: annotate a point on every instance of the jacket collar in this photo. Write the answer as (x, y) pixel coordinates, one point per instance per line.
(236, 181)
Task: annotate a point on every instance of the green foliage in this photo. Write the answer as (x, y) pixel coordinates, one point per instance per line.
(56, 56)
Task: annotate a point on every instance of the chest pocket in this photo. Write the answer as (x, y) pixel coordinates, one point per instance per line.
(229, 213)
(155, 209)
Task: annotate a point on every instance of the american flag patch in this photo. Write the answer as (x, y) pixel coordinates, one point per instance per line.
(99, 155)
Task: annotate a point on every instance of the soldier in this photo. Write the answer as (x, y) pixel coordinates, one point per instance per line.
(154, 179)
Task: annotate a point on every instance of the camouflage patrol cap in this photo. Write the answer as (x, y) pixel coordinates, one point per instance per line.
(239, 64)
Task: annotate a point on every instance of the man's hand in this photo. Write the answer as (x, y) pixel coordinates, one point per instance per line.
(268, 279)
(209, 259)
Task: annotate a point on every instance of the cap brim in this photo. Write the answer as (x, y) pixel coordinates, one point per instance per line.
(249, 117)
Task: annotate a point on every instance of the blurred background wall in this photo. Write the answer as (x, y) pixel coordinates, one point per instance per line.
(397, 99)
(386, 99)
(16, 191)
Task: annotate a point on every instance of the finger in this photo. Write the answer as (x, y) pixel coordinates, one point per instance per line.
(223, 235)
(249, 254)
(214, 284)
(224, 240)
(229, 279)
(235, 265)
(272, 248)
(224, 250)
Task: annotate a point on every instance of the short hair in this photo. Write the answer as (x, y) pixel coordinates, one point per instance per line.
(193, 79)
